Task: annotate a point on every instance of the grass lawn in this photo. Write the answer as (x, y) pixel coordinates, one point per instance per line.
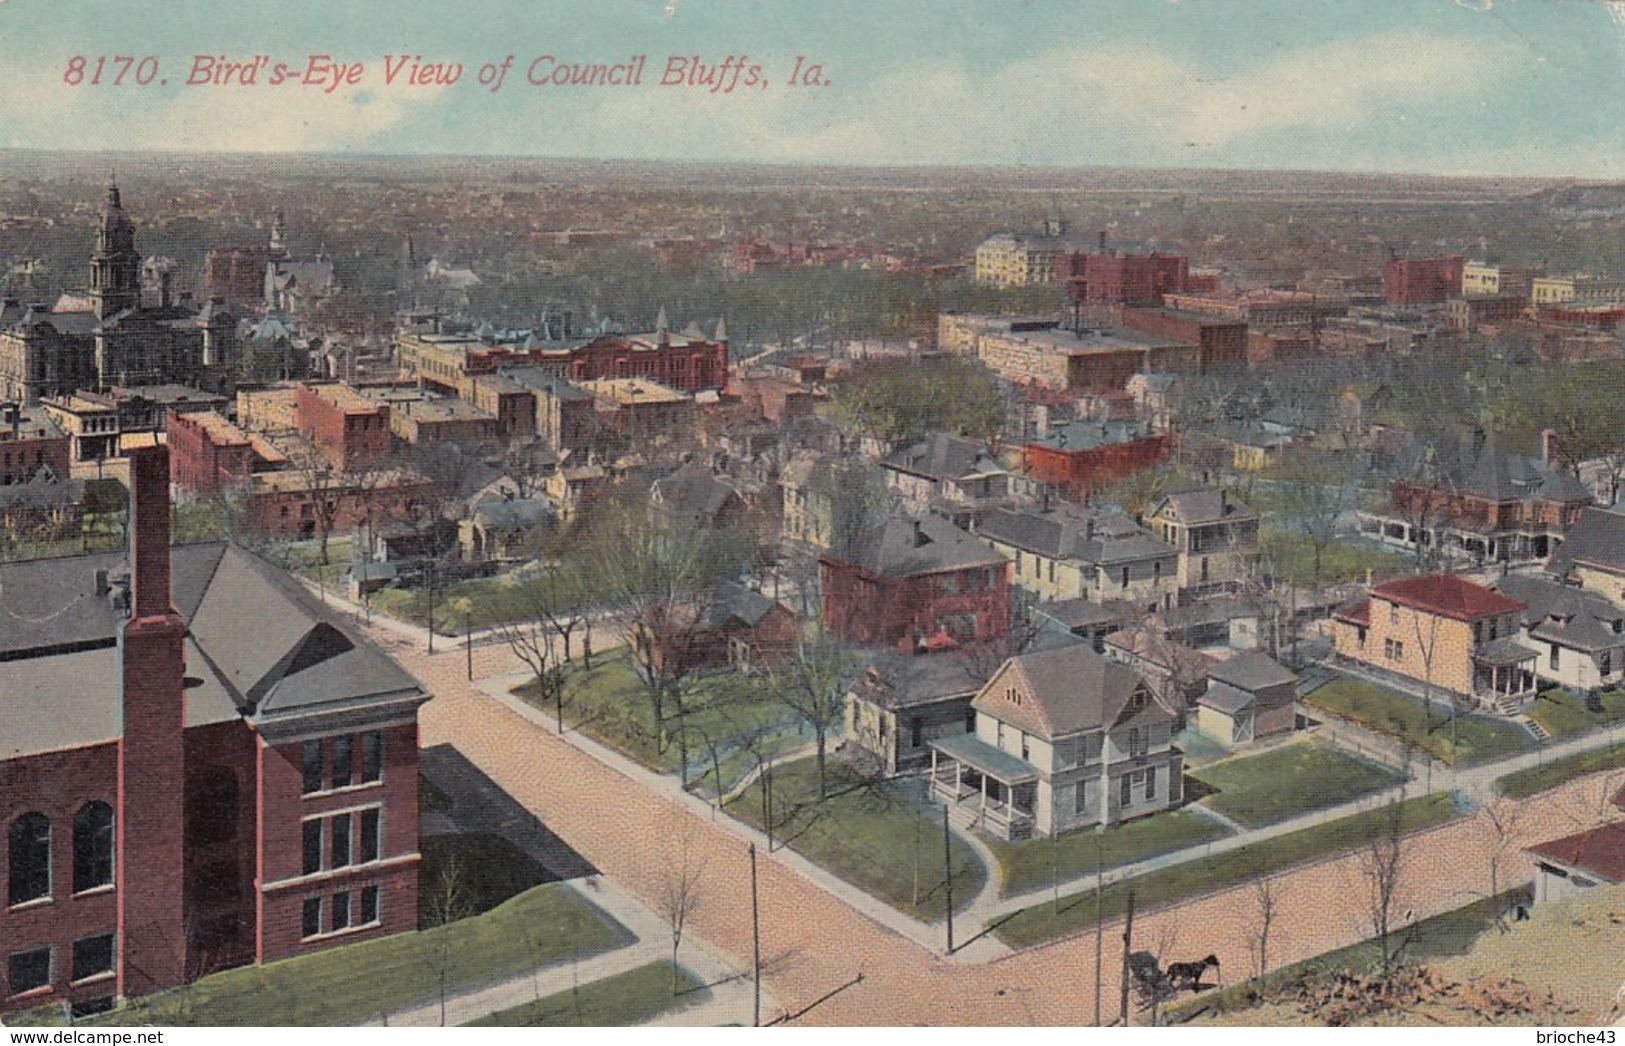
(1292, 779)
(1564, 715)
(1076, 912)
(623, 1000)
(1291, 557)
(865, 834)
(469, 874)
(1032, 863)
(1446, 934)
(1479, 739)
(1525, 783)
(357, 982)
(610, 703)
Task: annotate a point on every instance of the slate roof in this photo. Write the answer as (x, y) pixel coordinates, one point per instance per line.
(734, 602)
(1599, 852)
(1074, 614)
(1253, 670)
(1091, 435)
(1484, 470)
(1447, 595)
(693, 491)
(1066, 691)
(944, 456)
(911, 546)
(1573, 617)
(514, 513)
(897, 681)
(1597, 539)
(1222, 697)
(258, 646)
(1069, 532)
(1196, 507)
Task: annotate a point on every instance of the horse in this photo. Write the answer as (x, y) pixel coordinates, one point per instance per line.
(1189, 974)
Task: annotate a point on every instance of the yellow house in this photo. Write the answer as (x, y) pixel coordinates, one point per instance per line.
(1444, 632)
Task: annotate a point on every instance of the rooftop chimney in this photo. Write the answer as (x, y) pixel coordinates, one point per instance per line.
(919, 535)
(149, 530)
(1548, 447)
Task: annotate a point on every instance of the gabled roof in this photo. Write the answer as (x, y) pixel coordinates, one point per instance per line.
(1574, 617)
(1597, 539)
(1599, 852)
(693, 491)
(1065, 691)
(943, 456)
(1447, 595)
(911, 546)
(1196, 507)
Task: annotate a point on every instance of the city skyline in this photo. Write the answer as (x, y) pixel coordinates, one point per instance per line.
(1405, 86)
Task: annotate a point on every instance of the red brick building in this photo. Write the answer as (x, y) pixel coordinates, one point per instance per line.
(208, 453)
(1126, 279)
(349, 429)
(1421, 281)
(31, 444)
(1085, 455)
(1219, 343)
(916, 584)
(197, 770)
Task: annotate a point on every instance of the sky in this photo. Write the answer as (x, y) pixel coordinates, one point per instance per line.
(1483, 87)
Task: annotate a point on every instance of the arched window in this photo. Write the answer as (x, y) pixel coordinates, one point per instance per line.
(29, 844)
(92, 846)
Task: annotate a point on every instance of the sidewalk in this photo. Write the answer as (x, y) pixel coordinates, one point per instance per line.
(731, 990)
(988, 905)
(928, 935)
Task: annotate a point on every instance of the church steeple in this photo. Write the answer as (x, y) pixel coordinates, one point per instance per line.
(115, 268)
(279, 236)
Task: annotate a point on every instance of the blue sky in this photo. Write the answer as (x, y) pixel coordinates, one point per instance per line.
(1516, 87)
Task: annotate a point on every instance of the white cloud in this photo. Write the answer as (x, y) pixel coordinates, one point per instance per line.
(1076, 104)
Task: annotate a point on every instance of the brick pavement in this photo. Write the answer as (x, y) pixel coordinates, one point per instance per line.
(814, 942)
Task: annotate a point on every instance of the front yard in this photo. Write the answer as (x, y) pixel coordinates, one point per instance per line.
(1034, 863)
(1283, 782)
(1562, 714)
(1463, 740)
(1525, 783)
(869, 833)
(727, 718)
(1075, 913)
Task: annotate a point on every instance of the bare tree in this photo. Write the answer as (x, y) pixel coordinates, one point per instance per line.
(449, 900)
(1264, 903)
(812, 684)
(1382, 868)
(1501, 815)
(679, 897)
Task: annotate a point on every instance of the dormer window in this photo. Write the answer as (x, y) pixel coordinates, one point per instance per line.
(1137, 701)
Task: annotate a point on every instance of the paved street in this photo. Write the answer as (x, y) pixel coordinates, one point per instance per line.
(818, 936)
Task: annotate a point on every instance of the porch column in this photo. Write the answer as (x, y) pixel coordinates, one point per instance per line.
(934, 778)
(959, 770)
(984, 791)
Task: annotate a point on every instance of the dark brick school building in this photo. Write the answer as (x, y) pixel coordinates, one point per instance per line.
(198, 769)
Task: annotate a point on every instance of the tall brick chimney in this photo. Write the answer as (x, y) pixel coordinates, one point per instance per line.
(152, 752)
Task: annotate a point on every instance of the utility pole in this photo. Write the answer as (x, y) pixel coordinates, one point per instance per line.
(756, 942)
(1128, 938)
(948, 876)
(468, 641)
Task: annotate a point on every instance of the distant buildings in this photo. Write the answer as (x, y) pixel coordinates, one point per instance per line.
(118, 338)
(1421, 281)
(1083, 456)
